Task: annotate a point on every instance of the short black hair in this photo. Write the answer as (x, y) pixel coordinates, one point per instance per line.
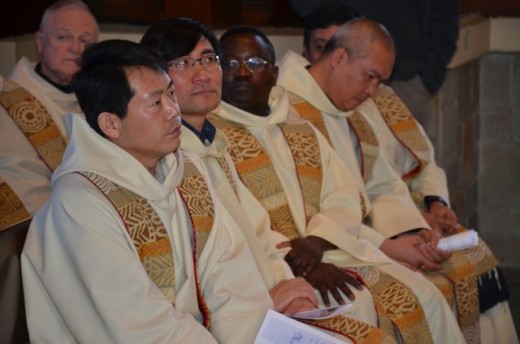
(246, 29)
(177, 36)
(102, 84)
(322, 17)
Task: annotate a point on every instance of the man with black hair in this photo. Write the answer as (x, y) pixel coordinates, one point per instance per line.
(134, 245)
(193, 54)
(321, 23)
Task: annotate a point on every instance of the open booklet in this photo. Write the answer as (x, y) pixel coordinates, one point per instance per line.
(280, 329)
(459, 241)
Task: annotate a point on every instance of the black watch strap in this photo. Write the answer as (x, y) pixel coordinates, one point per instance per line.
(428, 200)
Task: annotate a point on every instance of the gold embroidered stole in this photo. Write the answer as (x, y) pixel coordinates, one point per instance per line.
(398, 303)
(402, 124)
(458, 269)
(457, 279)
(314, 116)
(309, 112)
(357, 331)
(491, 285)
(195, 193)
(458, 283)
(387, 292)
(37, 125)
(149, 235)
(257, 172)
(225, 165)
(146, 230)
(12, 211)
(367, 140)
(305, 150)
(35, 122)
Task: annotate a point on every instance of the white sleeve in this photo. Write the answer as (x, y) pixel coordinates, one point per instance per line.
(84, 282)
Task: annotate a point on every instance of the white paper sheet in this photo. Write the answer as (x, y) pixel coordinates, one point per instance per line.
(459, 241)
(279, 329)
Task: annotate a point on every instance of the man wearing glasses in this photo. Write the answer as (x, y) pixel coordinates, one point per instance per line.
(192, 54)
(309, 193)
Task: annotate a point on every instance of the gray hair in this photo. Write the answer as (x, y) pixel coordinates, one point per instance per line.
(357, 36)
(60, 4)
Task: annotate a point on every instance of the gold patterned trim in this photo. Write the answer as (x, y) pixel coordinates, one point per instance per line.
(457, 281)
(309, 112)
(195, 194)
(35, 122)
(404, 127)
(147, 231)
(12, 210)
(313, 115)
(398, 303)
(257, 172)
(357, 331)
(305, 149)
(225, 165)
(367, 141)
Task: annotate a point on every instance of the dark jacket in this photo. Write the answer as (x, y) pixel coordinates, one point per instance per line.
(425, 33)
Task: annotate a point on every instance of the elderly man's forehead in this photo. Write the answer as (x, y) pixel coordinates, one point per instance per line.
(62, 13)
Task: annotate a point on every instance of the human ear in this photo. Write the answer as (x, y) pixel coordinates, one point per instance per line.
(305, 51)
(274, 73)
(339, 55)
(38, 39)
(109, 124)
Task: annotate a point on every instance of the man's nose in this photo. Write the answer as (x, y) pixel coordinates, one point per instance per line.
(372, 88)
(243, 70)
(76, 45)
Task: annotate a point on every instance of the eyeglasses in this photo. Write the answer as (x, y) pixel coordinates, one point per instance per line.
(185, 63)
(253, 64)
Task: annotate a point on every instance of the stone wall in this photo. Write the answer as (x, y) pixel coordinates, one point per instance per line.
(499, 185)
(478, 144)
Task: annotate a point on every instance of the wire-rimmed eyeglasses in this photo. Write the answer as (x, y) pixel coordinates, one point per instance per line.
(253, 64)
(184, 63)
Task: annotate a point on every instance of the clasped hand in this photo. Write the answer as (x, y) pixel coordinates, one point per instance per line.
(304, 258)
(305, 253)
(416, 250)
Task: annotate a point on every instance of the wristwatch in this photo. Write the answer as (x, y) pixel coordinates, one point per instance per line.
(428, 200)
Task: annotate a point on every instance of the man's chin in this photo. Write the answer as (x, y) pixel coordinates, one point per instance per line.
(355, 103)
(69, 73)
(240, 103)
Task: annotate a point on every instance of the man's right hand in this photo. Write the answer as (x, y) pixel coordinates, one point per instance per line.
(406, 249)
(286, 291)
(298, 305)
(328, 278)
